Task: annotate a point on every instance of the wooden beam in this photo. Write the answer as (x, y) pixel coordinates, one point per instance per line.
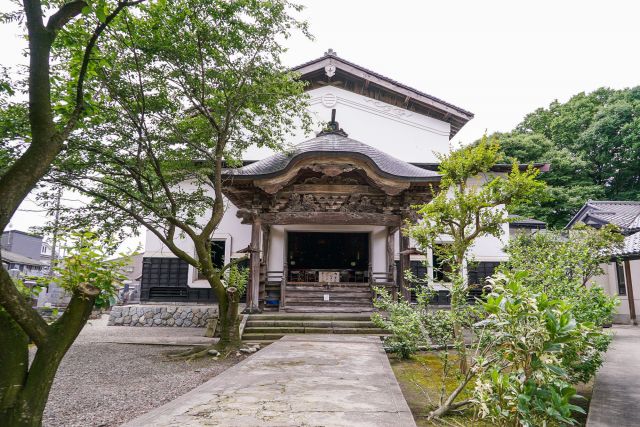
(393, 87)
(629, 282)
(333, 218)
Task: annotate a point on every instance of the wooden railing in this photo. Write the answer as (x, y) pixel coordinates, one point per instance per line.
(274, 280)
(383, 279)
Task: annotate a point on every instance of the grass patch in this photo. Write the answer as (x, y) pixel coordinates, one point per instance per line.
(420, 381)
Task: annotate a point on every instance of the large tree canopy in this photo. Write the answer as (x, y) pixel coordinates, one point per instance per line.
(190, 85)
(591, 141)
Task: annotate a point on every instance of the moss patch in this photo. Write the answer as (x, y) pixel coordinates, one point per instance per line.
(420, 381)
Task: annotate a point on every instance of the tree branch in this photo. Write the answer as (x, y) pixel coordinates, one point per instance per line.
(65, 14)
(79, 107)
(20, 310)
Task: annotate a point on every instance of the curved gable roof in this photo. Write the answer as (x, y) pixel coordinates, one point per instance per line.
(334, 144)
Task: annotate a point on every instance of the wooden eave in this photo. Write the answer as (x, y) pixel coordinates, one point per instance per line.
(365, 82)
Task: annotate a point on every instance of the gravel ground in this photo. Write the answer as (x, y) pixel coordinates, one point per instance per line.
(103, 384)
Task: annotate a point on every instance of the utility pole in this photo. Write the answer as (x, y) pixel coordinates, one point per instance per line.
(56, 226)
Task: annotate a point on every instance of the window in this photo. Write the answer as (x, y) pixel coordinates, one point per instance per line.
(478, 272)
(622, 285)
(441, 266)
(218, 248)
(419, 269)
(164, 272)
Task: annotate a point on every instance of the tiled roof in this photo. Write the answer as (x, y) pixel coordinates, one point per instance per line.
(469, 114)
(334, 145)
(631, 246)
(624, 214)
(12, 257)
(521, 221)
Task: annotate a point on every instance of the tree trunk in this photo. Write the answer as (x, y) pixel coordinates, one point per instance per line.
(229, 321)
(24, 402)
(458, 301)
(14, 360)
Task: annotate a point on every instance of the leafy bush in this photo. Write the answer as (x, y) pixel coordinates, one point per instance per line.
(521, 378)
(86, 265)
(238, 278)
(404, 323)
(561, 264)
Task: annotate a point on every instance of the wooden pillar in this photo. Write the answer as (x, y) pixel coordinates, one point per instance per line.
(405, 264)
(391, 265)
(283, 286)
(265, 262)
(629, 282)
(390, 248)
(253, 293)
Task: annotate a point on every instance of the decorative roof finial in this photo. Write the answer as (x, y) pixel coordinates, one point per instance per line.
(332, 127)
(331, 52)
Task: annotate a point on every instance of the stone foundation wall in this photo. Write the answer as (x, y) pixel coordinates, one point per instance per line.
(162, 315)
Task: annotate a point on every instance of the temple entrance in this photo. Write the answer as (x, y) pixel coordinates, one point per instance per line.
(328, 257)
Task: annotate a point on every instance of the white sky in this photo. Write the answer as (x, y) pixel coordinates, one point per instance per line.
(498, 59)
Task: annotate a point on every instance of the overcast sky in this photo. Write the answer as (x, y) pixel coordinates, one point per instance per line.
(498, 59)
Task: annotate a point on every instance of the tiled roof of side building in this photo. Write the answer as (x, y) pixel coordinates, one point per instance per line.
(12, 257)
(335, 145)
(631, 246)
(520, 221)
(624, 214)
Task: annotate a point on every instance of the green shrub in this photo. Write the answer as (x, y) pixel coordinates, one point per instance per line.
(521, 375)
(403, 322)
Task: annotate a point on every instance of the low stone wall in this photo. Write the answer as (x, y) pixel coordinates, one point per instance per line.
(162, 315)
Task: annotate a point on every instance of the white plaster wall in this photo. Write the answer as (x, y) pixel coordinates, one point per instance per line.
(409, 136)
(378, 241)
(609, 282)
(236, 235)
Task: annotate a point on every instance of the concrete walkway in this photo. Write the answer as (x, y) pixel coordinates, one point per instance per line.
(616, 393)
(304, 380)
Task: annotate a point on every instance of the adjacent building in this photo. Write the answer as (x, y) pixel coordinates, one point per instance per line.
(622, 274)
(22, 253)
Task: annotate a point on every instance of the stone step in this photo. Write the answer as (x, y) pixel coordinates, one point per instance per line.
(310, 330)
(334, 309)
(365, 323)
(262, 343)
(247, 337)
(310, 316)
(274, 329)
(332, 298)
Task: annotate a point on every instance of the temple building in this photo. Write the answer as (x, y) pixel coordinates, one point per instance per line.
(322, 221)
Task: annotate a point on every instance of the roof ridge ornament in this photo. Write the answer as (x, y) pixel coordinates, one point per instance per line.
(330, 68)
(333, 127)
